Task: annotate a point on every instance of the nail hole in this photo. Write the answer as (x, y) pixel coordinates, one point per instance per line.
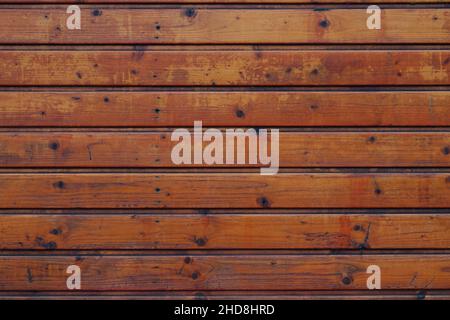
(264, 202)
(96, 12)
(240, 113)
(324, 23)
(59, 185)
(346, 281)
(54, 145)
(190, 12)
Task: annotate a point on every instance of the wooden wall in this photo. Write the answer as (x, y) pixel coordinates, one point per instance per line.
(86, 176)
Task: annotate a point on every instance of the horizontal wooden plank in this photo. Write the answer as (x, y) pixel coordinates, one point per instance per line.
(225, 231)
(188, 25)
(225, 68)
(239, 190)
(225, 272)
(272, 108)
(153, 149)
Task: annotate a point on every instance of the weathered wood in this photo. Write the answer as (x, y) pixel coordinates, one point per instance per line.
(296, 149)
(224, 272)
(225, 68)
(225, 231)
(167, 253)
(188, 25)
(265, 108)
(241, 190)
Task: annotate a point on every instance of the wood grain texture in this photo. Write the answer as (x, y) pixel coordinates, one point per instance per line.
(206, 190)
(224, 231)
(72, 142)
(224, 68)
(224, 272)
(188, 25)
(153, 149)
(262, 108)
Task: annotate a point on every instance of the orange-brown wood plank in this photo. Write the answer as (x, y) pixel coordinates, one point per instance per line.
(264, 108)
(154, 149)
(225, 272)
(227, 68)
(188, 25)
(225, 231)
(218, 190)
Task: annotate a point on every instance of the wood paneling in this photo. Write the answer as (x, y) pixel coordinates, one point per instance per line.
(234, 190)
(297, 149)
(215, 108)
(224, 272)
(224, 68)
(73, 114)
(187, 25)
(224, 231)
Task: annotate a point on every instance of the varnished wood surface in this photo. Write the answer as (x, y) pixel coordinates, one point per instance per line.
(217, 108)
(224, 68)
(224, 272)
(241, 190)
(153, 149)
(86, 176)
(222, 231)
(190, 25)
